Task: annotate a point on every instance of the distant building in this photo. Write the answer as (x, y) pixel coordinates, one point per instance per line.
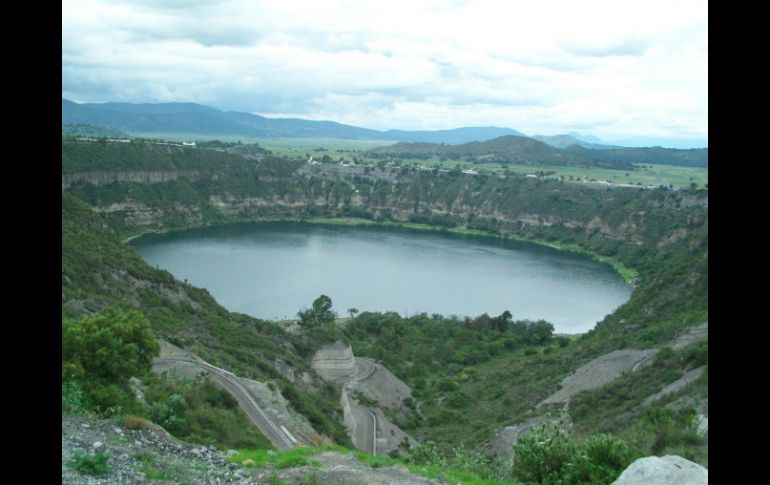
(188, 143)
(471, 171)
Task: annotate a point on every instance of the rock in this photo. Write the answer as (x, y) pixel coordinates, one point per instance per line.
(270, 453)
(334, 361)
(231, 453)
(669, 470)
(98, 445)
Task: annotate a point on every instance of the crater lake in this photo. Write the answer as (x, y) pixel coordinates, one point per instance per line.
(272, 270)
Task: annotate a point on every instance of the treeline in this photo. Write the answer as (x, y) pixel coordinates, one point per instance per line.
(417, 345)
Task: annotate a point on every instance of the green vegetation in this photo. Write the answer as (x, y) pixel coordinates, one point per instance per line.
(197, 411)
(101, 353)
(86, 130)
(90, 464)
(548, 455)
(423, 462)
(490, 372)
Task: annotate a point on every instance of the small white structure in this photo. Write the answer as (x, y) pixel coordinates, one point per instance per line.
(188, 143)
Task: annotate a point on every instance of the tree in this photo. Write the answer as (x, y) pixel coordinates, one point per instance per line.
(110, 347)
(319, 314)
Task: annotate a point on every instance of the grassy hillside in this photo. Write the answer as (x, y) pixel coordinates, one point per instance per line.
(99, 272)
(505, 149)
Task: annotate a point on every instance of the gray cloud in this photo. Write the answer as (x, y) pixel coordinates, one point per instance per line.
(412, 65)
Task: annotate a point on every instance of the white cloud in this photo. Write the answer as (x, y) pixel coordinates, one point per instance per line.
(611, 68)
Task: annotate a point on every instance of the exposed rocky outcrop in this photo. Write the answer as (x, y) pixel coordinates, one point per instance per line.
(668, 470)
(334, 362)
(384, 387)
(597, 372)
(143, 177)
(370, 382)
(138, 455)
(608, 367)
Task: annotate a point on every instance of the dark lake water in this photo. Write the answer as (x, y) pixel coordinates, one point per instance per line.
(273, 270)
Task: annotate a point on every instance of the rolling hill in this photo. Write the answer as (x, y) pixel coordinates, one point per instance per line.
(504, 150)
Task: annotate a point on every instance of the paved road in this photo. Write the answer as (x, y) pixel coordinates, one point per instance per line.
(366, 421)
(364, 370)
(227, 381)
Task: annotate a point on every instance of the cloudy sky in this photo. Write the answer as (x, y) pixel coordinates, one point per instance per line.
(624, 71)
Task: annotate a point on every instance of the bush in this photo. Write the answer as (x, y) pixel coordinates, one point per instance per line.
(171, 414)
(72, 398)
(101, 353)
(549, 455)
(95, 464)
(131, 421)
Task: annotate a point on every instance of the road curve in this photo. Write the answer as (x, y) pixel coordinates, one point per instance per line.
(364, 370)
(643, 361)
(226, 380)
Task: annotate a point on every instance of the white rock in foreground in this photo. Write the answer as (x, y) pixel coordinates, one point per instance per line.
(669, 470)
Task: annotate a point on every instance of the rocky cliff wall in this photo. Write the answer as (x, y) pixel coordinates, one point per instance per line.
(104, 178)
(334, 362)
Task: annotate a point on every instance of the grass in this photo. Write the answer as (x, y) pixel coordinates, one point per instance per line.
(149, 465)
(257, 458)
(300, 457)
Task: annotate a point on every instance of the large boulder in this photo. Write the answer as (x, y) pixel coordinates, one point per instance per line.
(668, 470)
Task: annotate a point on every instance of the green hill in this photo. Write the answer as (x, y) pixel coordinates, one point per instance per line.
(503, 150)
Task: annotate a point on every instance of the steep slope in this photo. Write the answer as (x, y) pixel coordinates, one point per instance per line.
(98, 271)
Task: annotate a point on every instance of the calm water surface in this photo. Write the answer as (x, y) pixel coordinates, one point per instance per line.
(273, 270)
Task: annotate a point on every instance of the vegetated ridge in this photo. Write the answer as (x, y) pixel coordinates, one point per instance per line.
(508, 149)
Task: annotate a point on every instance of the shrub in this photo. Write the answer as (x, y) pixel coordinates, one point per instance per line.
(549, 455)
(95, 464)
(72, 398)
(171, 414)
(131, 421)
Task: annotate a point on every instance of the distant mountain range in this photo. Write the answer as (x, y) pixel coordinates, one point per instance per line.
(197, 119)
(565, 141)
(501, 144)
